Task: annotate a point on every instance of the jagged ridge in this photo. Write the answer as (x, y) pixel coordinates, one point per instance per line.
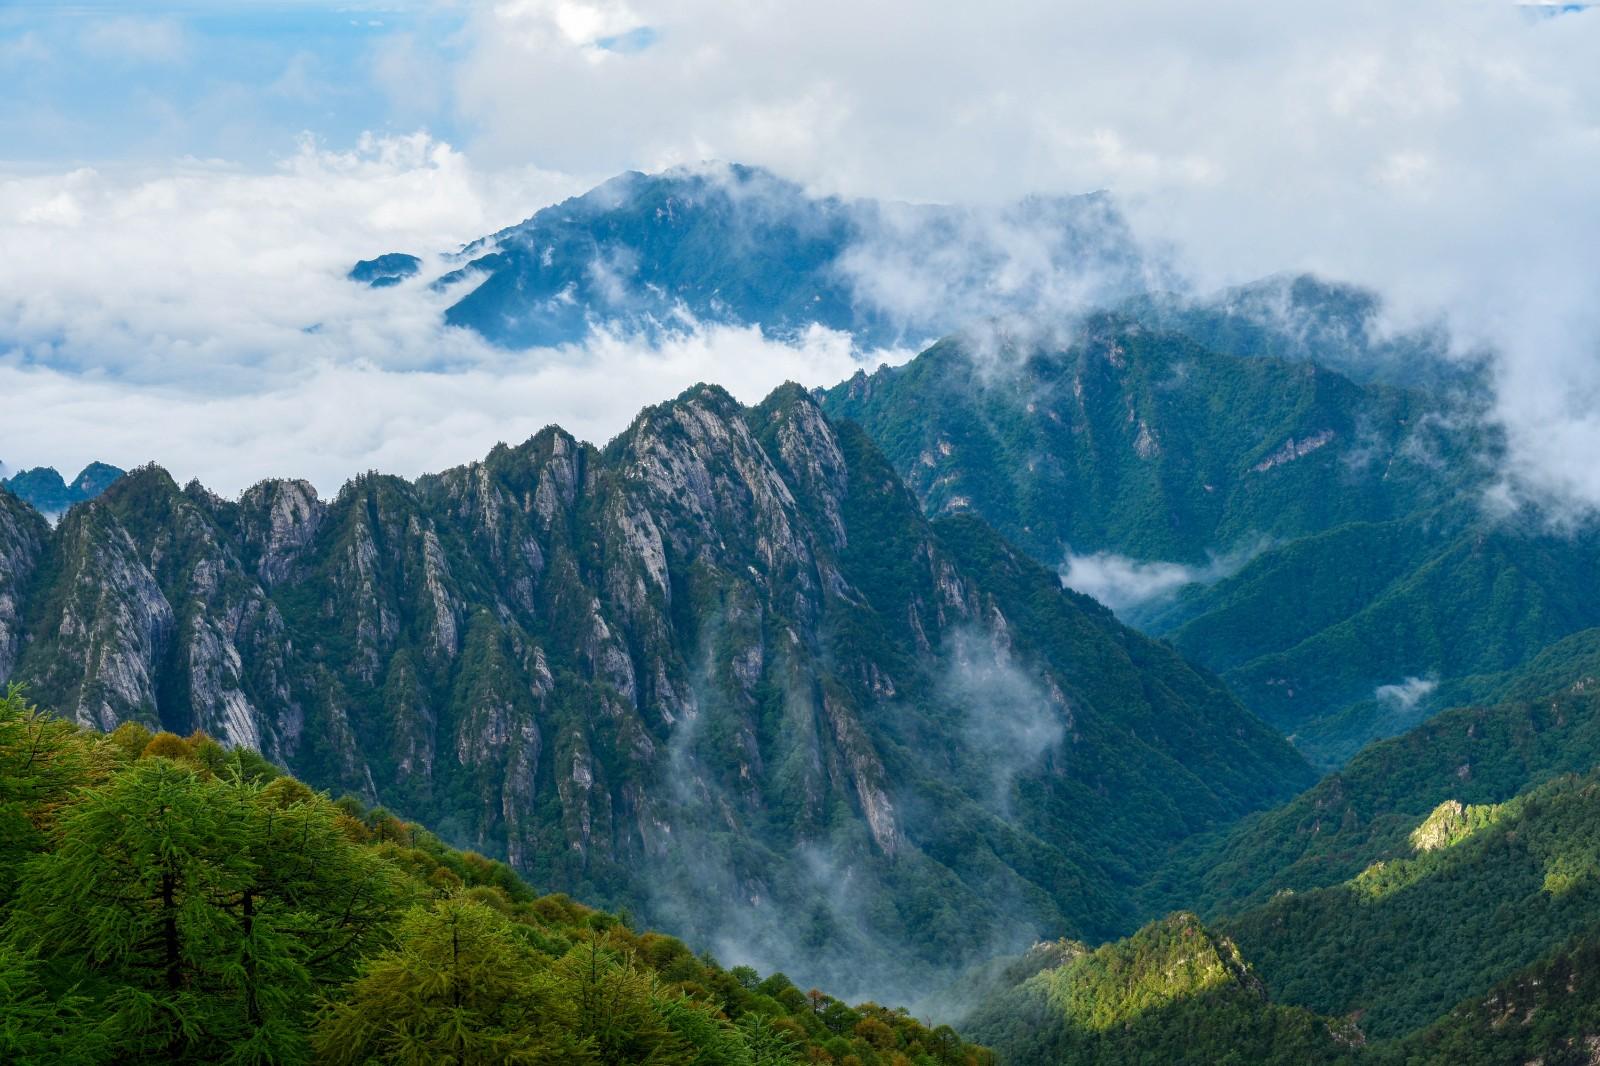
(723, 658)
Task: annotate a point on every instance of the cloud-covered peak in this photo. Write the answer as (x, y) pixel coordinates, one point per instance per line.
(738, 245)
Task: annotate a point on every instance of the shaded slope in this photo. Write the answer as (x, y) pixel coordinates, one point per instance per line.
(1144, 443)
(1341, 573)
(1364, 812)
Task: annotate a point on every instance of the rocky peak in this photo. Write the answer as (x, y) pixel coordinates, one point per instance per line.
(280, 519)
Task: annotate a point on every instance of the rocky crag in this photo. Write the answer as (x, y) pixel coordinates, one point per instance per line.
(722, 671)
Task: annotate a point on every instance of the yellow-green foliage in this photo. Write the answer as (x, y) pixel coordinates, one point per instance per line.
(163, 900)
(1452, 822)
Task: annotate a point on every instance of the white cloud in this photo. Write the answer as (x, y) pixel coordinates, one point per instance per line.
(1440, 151)
(200, 318)
(335, 417)
(1125, 584)
(1122, 583)
(1405, 695)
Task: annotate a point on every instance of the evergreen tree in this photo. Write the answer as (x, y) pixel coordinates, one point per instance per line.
(458, 987)
(41, 759)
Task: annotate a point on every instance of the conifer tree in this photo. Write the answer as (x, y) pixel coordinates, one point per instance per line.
(41, 759)
(134, 894)
(458, 988)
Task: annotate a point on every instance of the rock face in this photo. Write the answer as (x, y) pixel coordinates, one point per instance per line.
(722, 671)
(22, 537)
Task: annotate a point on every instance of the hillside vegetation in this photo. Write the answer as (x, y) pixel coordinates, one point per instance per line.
(1436, 902)
(163, 900)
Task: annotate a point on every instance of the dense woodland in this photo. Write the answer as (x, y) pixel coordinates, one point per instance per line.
(163, 899)
(1438, 902)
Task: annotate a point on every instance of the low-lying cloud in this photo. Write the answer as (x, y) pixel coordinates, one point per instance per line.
(200, 318)
(1126, 585)
(1122, 583)
(1010, 722)
(333, 419)
(1404, 696)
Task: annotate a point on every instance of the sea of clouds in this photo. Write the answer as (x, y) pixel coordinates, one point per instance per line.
(193, 311)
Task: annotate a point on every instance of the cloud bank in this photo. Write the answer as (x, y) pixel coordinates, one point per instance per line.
(1403, 696)
(1127, 585)
(200, 318)
(1441, 152)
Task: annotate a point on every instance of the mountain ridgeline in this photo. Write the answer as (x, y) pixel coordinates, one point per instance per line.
(1339, 565)
(722, 672)
(738, 245)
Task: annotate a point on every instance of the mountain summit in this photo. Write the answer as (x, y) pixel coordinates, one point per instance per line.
(738, 245)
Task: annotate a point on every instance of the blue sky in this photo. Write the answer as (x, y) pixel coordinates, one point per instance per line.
(146, 80)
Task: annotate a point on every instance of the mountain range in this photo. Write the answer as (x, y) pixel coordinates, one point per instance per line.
(725, 655)
(826, 683)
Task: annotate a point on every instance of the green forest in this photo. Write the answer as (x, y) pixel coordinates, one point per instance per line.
(164, 900)
(1357, 924)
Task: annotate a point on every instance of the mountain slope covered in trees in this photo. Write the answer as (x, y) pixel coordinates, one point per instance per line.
(1405, 909)
(1416, 959)
(1323, 545)
(163, 900)
(725, 657)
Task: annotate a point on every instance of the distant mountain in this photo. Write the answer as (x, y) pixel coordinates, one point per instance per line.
(44, 490)
(738, 245)
(1147, 444)
(723, 672)
(1304, 318)
(1362, 631)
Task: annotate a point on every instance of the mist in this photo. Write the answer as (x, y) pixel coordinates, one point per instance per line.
(818, 910)
(1128, 586)
(1438, 153)
(1403, 697)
